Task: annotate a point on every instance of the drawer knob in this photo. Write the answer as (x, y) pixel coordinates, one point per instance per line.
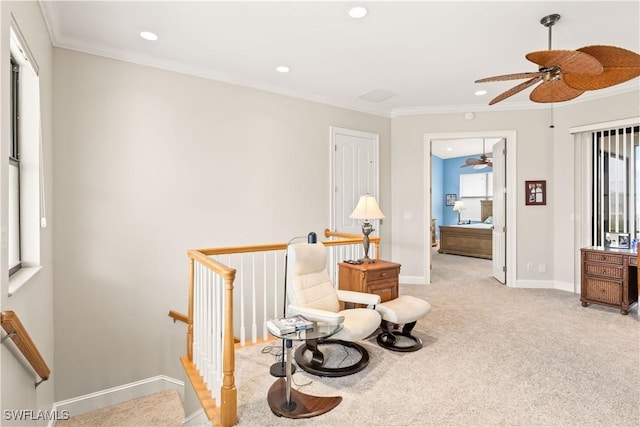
(383, 274)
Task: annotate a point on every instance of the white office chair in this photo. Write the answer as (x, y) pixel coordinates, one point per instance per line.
(312, 295)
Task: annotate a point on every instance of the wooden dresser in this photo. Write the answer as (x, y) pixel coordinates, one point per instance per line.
(380, 277)
(609, 277)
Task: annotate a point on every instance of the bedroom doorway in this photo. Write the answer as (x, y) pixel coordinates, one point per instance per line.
(496, 242)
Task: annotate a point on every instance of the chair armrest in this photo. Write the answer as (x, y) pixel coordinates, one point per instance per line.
(316, 315)
(358, 297)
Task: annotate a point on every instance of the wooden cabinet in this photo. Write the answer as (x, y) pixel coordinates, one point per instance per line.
(380, 277)
(606, 277)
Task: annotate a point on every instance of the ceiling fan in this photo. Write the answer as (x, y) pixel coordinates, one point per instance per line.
(565, 74)
(481, 163)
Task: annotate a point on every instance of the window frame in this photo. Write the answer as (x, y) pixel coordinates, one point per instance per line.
(14, 162)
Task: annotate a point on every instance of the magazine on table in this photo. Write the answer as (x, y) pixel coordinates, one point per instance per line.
(287, 325)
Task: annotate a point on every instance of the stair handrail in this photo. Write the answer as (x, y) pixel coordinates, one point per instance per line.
(21, 338)
(225, 412)
(345, 237)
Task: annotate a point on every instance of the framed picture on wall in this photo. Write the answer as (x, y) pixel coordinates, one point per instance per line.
(535, 192)
(450, 199)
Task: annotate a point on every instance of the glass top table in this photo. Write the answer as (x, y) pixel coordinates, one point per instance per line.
(317, 331)
(285, 402)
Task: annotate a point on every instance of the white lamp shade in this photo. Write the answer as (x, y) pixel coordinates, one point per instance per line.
(458, 206)
(367, 208)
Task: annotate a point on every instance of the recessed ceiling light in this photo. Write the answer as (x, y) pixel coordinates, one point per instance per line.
(357, 12)
(481, 92)
(282, 69)
(449, 149)
(148, 35)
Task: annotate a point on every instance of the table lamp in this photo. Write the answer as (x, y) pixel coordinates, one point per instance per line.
(366, 209)
(459, 206)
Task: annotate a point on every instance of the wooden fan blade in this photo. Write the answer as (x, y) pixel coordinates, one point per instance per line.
(569, 61)
(619, 66)
(515, 76)
(472, 162)
(554, 91)
(515, 89)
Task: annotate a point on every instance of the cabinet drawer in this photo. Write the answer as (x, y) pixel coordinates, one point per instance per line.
(603, 290)
(387, 290)
(602, 257)
(611, 271)
(633, 260)
(391, 273)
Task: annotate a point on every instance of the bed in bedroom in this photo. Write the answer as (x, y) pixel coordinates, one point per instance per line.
(475, 240)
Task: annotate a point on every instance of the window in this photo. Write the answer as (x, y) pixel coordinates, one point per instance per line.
(616, 179)
(25, 200)
(15, 258)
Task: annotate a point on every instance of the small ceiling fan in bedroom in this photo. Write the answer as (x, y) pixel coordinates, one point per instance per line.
(566, 74)
(481, 163)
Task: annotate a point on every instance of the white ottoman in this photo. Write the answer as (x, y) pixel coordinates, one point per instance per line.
(404, 310)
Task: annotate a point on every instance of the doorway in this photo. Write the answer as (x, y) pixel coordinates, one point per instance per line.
(506, 210)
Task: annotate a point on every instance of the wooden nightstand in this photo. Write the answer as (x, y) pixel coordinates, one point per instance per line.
(380, 277)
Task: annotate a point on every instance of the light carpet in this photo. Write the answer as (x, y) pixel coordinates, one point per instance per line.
(162, 409)
(492, 356)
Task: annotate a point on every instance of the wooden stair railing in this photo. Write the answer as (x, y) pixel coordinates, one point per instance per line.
(16, 331)
(225, 412)
(346, 237)
(178, 317)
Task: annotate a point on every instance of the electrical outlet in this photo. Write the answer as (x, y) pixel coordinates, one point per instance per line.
(542, 268)
(529, 266)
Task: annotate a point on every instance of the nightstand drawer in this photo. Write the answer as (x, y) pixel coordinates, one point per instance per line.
(610, 271)
(603, 290)
(390, 273)
(387, 289)
(602, 257)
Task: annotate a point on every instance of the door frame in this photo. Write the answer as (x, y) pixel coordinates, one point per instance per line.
(511, 196)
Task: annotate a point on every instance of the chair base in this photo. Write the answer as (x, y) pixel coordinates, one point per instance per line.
(316, 366)
(300, 405)
(387, 338)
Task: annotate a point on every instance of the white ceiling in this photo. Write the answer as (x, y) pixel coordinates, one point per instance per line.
(427, 54)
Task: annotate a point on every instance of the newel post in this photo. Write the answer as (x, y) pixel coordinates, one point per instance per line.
(228, 393)
(190, 313)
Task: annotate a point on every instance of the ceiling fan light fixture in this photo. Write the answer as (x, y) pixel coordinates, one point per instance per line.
(565, 74)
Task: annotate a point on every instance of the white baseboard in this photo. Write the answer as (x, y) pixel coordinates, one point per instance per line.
(112, 396)
(533, 284)
(546, 284)
(197, 419)
(411, 280)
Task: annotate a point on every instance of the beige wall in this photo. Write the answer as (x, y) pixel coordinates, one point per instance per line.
(602, 110)
(33, 303)
(150, 163)
(544, 233)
